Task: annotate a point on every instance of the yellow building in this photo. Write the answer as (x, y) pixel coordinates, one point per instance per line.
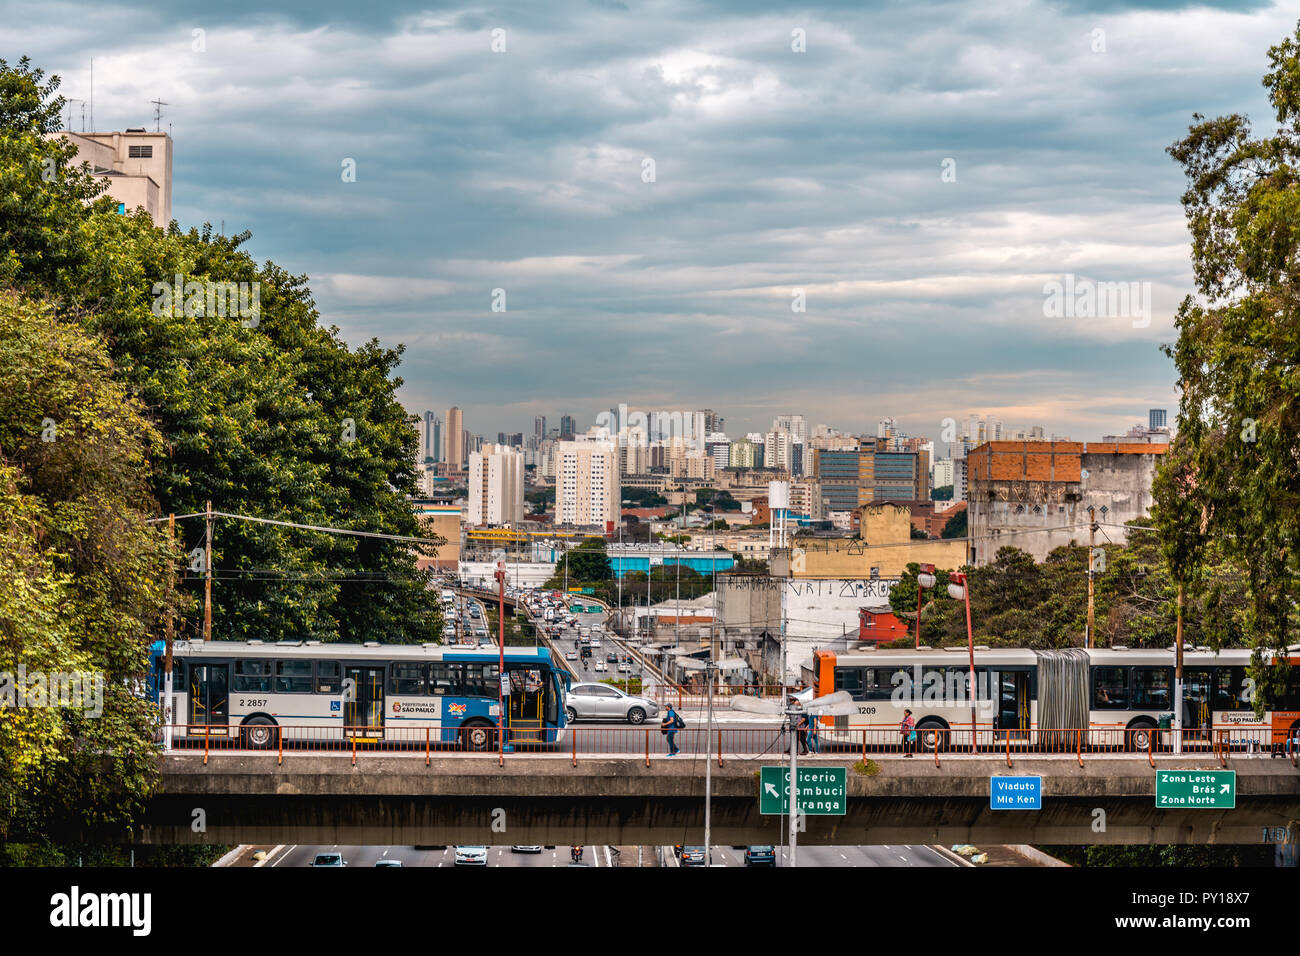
(883, 549)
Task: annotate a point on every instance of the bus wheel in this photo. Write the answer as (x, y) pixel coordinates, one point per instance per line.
(1139, 735)
(260, 734)
(477, 737)
(932, 737)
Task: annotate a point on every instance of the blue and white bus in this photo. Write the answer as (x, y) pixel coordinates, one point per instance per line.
(263, 692)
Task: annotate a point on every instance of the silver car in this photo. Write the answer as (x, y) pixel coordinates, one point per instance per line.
(603, 702)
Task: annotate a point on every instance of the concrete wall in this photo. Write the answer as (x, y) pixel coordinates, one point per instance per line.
(545, 799)
(1039, 501)
(847, 558)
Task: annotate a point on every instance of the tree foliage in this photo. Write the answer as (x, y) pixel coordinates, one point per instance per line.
(1234, 478)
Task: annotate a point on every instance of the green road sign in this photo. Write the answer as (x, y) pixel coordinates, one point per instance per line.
(823, 791)
(1206, 789)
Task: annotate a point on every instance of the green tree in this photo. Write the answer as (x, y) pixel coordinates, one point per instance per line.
(1239, 412)
(955, 526)
(942, 493)
(84, 582)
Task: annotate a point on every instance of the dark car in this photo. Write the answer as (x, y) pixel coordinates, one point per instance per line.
(613, 659)
(760, 856)
(693, 856)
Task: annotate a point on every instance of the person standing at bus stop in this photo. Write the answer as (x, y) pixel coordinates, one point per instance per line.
(908, 728)
(669, 727)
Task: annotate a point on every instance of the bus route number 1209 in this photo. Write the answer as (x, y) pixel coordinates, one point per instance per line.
(866, 710)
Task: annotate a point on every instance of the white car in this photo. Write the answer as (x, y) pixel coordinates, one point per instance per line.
(601, 666)
(471, 856)
(571, 656)
(625, 668)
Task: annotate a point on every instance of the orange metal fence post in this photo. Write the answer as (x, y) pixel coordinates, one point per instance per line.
(207, 729)
(1008, 749)
(426, 746)
(1079, 732)
(647, 747)
(279, 739)
(1150, 744)
(575, 748)
(719, 746)
(354, 748)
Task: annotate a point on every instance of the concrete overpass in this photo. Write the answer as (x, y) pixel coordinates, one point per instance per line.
(547, 799)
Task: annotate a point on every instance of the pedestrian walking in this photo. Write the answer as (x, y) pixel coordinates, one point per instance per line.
(669, 726)
(814, 743)
(802, 727)
(908, 728)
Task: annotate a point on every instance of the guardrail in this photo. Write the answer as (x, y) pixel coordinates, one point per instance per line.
(745, 743)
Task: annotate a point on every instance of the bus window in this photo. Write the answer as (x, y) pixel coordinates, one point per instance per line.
(293, 677)
(444, 679)
(407, 679)
(1151, 687)
(1109, 688)
(850, 679)
(252, 677)
(480, 680)
(328, 680)
(1230, 689)
(878, 683)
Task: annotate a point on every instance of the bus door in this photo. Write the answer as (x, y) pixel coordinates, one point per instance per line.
(1012, 718)
(209, 698)
(1198, 707)
(524, 710)
(363, 701)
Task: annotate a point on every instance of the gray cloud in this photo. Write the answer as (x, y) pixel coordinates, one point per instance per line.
(775, 171)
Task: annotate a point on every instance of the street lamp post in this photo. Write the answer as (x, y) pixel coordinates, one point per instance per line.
(924, 580)
(961, 590)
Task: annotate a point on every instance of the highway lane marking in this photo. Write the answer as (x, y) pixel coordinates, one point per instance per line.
(263, 860)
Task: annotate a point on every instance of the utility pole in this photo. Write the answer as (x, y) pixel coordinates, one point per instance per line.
(168, 716)
(792, 712)
(1178, 675)
(207, 574)
(708, 767)
(1092, 540)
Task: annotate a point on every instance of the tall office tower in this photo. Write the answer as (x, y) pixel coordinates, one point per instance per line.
(539, 428)
(796, 456)
(435, 440)
(455, 450)
(1156, 418)
(794, 424)
(718, 445)
(744, 453)
(496, 486)
(515, 439)
(501, 438)
(568, 428)
(587, 489)
(886, 428)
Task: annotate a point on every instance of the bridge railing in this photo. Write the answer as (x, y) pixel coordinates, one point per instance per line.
(730, 743)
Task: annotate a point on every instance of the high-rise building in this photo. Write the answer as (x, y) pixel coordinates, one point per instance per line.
(496, 486)
(539, 428)
(794, 424)
(1156, 418)
(745, 453)
(587, 489)
(719, 446)
(454, 452)
(778, 450)
(901, 476)
(845, 477)
(434, 447)
(568, 428)
(713, 422)
(943, 472)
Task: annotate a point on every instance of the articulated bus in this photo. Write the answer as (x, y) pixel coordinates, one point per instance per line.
(306, 690)
(1117, 695)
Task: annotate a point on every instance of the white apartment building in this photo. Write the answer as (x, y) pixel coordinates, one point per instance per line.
(794, 424)
(496, 486)
(587, 487)
(943, 473)
(136, 164)
(778, 450)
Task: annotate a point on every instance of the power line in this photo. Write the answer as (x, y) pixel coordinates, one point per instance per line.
(305, 527)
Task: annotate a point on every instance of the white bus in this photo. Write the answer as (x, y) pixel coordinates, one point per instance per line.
(306, 690)
(1109, 698)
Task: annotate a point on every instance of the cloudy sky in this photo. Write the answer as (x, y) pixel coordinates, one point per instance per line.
(655, 184)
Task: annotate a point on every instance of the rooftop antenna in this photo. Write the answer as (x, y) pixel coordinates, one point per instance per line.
(157, 115)
(72, 100)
